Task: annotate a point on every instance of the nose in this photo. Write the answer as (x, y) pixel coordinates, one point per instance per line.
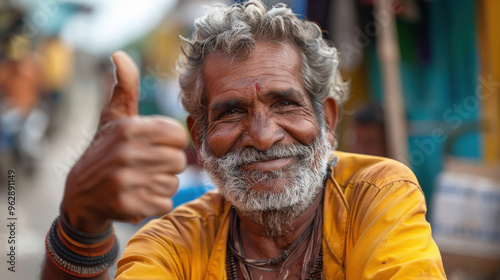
(262, 132)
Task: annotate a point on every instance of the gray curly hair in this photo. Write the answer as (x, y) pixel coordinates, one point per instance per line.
(235, 30)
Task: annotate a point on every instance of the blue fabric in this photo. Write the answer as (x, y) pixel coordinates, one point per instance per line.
(190, 193)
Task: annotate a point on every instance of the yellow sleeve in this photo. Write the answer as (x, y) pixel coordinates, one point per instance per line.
(389, 235)
(146, 258)
(184, 244)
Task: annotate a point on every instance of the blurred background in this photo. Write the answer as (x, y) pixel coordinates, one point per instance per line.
(424, 76)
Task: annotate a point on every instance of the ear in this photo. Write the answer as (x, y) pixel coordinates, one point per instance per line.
(193, 130)
(331, 117)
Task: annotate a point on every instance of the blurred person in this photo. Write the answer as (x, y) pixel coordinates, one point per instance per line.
(57, 65)
(22, 122)
(20, 83)
(368, 131)
(261, 88)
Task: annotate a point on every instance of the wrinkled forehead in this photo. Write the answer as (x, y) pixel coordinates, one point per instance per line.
(266, 56)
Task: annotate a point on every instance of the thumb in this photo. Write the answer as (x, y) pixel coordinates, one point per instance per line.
(124, 95)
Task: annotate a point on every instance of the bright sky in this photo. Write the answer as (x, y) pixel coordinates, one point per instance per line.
(114, 23)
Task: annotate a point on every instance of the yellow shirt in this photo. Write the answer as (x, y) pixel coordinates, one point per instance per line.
(374, 227)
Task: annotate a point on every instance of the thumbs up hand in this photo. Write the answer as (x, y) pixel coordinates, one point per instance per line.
(128, 171)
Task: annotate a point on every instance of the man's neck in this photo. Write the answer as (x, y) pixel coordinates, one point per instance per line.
(258, 244)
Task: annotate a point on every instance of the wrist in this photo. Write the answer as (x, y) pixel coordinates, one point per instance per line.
(84, 224)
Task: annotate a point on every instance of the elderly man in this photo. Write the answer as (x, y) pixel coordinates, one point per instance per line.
(262, 90)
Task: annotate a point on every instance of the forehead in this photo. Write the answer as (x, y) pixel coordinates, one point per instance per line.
(270, 65)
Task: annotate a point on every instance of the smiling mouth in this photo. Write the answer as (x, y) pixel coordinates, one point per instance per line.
(268, 165)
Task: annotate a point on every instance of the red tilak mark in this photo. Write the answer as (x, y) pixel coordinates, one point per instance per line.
(257, 87)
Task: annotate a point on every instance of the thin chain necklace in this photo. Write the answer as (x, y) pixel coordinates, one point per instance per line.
(312, 251)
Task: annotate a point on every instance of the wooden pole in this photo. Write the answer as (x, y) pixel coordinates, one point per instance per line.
(389, 57)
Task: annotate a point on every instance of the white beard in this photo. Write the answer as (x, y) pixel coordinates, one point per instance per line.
(274, 210)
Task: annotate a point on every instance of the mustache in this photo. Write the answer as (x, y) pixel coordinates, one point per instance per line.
(251, 155)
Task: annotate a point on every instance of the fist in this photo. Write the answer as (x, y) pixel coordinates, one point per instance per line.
(128, 171)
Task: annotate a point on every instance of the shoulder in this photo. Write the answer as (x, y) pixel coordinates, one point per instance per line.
(189, 228)
(179, 242)
(376, 171)
(200, 216)
(367, 179)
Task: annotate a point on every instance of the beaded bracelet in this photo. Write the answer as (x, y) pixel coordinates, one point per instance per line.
(82, 237)
(94, 251)
(89, 256)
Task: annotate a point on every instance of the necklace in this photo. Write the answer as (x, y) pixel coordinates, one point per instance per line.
(314, 274)
(313, 258)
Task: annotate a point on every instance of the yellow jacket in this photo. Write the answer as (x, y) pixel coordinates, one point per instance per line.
(374, 228)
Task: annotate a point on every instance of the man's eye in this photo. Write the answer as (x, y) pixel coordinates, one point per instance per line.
(286, 103)
(228, 113)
